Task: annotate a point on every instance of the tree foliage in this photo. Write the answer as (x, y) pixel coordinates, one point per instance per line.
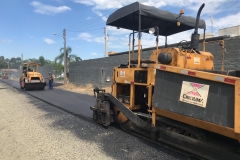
(70, 57)
(41, 59)
(16, 62)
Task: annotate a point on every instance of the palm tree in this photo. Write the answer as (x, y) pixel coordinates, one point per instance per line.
(70, 57)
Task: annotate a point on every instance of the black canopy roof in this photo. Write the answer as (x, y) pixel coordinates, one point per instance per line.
(128, 18)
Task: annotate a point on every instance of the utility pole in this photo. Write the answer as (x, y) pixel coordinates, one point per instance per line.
(106, 42)
(212, 24)
(65, 57)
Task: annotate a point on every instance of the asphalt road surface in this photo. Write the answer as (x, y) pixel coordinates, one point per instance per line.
(78, 104)
(31, 129)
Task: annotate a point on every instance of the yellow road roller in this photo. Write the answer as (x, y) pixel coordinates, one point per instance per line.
(4, 75)
(31, 79)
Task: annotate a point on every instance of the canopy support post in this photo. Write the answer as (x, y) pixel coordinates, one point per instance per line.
(139, 39)
(133, 43)
(204, 44)
(165, 41)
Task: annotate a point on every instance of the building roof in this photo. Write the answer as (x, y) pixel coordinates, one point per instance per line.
(229, 27)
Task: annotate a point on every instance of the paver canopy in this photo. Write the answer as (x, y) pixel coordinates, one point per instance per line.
(128, 18)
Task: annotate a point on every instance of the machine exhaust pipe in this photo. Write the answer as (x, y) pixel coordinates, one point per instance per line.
(195, 35)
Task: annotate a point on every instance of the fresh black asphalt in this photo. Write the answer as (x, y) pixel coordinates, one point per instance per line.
(78, 104)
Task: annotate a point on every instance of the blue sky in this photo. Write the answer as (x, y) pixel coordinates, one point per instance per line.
(27, 26)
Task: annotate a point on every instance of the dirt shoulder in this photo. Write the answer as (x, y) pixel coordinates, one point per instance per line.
(84, 89)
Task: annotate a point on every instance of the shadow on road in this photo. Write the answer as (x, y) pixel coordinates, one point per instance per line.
(113, 141)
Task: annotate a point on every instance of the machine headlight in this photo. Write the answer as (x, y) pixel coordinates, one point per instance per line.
(152, 30)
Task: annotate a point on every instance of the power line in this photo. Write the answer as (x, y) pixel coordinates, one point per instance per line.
(85, 30)
(117, 38)
(92, 27)
(85, 25)
(85, 22)
(80, 22)
(91, 21)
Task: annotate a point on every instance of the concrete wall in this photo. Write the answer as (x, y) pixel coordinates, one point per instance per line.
(231, 55)
(44, 70)
(95, 71)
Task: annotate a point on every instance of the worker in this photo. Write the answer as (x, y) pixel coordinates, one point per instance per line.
(50, 80)
(67, 74)
(25, 71)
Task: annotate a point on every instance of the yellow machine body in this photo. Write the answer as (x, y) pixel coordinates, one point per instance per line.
(175, 96)
(187, 59)
(31, 79)
(125, 84)
(4, 75)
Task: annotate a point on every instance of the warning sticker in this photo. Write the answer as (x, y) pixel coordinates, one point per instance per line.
(196, 60)
(194, 93)
(122, 73)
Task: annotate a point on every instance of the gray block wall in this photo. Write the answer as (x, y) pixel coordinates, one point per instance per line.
(232, 55)
(95, 71)
(44, 70)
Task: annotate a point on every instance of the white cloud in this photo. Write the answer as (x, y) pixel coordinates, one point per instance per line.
(98, 13)
(83, 36)
(6, 40)
(60, 1)
(211, 6)
(86, 2)
(104, 18)
(94, 54)
(88, 37)
(224, 22)
(47, 9)
(88, 18)
(48, 41)
(29, 35)
(99, 39)
(102, 4)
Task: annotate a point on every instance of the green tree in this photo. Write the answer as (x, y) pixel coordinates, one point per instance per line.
(58, 67)
(2, 62)
(70, 57)
(48, 62)
(41, 59)
(78, 59)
